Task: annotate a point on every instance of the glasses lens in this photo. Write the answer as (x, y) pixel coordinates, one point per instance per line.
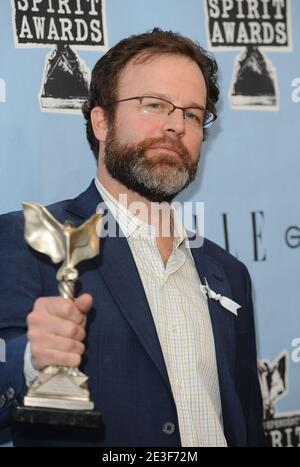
(193, 116)
(209, 118)
(154, 105)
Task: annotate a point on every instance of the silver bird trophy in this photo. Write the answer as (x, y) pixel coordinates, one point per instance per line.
(59, 395)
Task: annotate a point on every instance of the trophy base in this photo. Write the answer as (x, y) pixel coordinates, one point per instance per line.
(58, 403)
(90, 419)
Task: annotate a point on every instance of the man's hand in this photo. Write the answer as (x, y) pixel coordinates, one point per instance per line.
(56, 329)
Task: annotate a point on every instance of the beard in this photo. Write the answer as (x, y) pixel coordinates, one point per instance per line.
(158, 178)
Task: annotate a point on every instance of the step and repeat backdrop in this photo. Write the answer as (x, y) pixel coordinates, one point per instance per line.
(250, 165)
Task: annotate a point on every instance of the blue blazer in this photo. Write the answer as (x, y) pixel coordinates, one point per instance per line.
(123, 359)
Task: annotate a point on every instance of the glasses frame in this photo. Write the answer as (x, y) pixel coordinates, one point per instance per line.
(174, 107)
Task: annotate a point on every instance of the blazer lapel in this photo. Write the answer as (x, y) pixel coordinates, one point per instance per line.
(223, 324)
(222, 319)
(117, 267)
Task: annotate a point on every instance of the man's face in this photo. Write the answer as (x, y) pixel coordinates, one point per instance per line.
(156, 157)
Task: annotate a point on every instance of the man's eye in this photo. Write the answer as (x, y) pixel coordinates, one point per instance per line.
(154, 105)
(192, 116)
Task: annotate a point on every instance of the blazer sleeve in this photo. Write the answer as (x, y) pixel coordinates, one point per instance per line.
(20, 286)
(256, 435)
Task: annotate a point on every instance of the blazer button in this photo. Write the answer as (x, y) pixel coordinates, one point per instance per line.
(168, 428)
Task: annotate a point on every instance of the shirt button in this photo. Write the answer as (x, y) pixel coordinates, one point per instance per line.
(168, 428)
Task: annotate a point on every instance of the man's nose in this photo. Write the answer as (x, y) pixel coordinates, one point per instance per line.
(174, 122)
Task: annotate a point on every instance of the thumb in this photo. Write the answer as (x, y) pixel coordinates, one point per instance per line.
(84, 302)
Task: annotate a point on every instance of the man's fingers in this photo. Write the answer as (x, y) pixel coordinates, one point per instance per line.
(62, 344)
(84, 302)
(48, 357)
(56, 329)
(65, 308)
(46, 323)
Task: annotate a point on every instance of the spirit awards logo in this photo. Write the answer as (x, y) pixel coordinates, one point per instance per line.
(282, 429)
(65, 26)
(253, 27)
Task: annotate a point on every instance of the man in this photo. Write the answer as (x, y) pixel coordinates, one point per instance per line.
(167, 365)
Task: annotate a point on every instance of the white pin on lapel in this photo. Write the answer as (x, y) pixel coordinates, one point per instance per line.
(224, 301)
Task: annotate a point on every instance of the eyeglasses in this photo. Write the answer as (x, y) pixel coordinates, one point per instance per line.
(156, 106)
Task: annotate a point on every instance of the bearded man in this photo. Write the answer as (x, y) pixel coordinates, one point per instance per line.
(168, 364)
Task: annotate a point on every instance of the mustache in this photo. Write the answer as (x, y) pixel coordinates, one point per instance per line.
(173, 143)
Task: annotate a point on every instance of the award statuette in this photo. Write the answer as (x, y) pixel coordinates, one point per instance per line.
(59, 395)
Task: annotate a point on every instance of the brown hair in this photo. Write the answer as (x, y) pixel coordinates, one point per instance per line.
(106, 73)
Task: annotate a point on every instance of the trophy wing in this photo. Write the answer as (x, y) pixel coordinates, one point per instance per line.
(85, 240)
(43, 232)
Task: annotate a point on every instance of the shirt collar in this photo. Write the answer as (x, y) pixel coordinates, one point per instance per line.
(129, 223)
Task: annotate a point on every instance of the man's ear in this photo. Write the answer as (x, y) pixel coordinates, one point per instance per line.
(99, 123)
